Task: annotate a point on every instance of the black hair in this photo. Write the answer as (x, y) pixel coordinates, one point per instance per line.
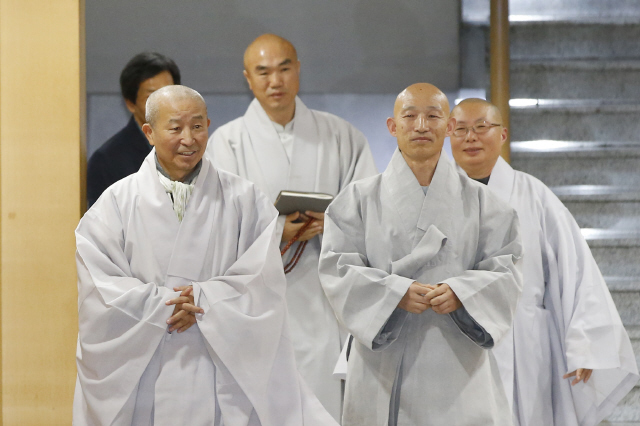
(142, 67)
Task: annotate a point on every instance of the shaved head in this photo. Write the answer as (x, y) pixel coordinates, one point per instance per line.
(420, 124)
(168, 94)
(481, 135)
(267, 42)
(176, 126)
(495, 113)
(272, 70)
(422, 91)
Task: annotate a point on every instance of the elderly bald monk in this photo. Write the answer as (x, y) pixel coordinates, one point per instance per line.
(567, 330)
(280, 144)
(419, 264)
(181, 299)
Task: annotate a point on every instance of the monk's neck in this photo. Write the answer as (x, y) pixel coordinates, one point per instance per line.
(423, 169)
(479, 171)
(282, 116)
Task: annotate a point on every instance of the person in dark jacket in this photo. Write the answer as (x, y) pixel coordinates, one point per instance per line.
(125, 151)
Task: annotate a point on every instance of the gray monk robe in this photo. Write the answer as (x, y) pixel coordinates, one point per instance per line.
(327, 154)
(382, 234)
(566, 318)
(235, 367)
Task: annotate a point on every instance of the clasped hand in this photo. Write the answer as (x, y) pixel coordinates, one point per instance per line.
(291, 227)
(420, 297)
(184, 313)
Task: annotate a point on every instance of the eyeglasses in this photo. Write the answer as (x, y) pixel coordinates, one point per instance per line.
(478, 128)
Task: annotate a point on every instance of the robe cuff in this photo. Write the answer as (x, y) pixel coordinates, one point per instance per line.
(396, 289)
(391, 330)
(471, 328)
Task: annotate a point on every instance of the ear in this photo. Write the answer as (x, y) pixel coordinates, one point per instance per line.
(391, 125)
(130, 106)
(208, 122)
(504, 135)
(298, 67)
(148, 132)
(451, 125)
(246, 76)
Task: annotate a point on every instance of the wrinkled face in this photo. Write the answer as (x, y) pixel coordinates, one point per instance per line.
(273, 73)
(179, 135)
(477, 152)
(420, 124)
(146, 88)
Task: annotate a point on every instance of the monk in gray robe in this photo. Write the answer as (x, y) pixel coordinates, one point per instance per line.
(280, 144)
(567, 330)
(419, 265)
(181, 306)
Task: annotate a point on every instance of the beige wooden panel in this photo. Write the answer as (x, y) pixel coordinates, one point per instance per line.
(41, 130)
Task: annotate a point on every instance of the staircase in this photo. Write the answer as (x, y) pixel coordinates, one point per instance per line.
(575, 125)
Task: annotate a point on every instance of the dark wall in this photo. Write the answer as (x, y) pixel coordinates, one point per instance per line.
(345, 46)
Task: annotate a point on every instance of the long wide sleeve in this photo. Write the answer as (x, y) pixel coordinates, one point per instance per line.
(121, 319)
(489, 291)
(594, 336)
(246, 327)
(363, 297)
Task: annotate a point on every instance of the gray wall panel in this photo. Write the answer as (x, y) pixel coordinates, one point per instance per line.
(352, 46)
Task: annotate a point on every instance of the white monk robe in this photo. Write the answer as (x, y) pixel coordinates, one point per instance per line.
(565, 319)
(327, 154)
(382, 234)
(236, 365)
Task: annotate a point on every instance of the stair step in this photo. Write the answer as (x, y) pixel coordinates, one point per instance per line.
(628, 305)
(596, 79)
(571, 149)
(567, 10)
(566, 170)
(560, 40)
(622, 285)
(574, 120)
(625, 292)
(578, 40)
(621, 260)
(597, 193)
(617, 238)
(602, 206)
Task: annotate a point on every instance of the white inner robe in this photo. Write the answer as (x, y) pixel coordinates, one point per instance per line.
(382, 234)
(236, 365)
(327, 154)
(565, 319)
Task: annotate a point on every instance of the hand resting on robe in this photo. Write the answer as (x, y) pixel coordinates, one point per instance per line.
(581, 374)
(291, 227)
(183, 315)
(420, 297)
(443, 300)
(415, 299)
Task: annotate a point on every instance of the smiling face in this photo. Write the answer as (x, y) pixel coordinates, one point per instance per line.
(272, 70)
(179, 132)
(420, 122)
(477, 153)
